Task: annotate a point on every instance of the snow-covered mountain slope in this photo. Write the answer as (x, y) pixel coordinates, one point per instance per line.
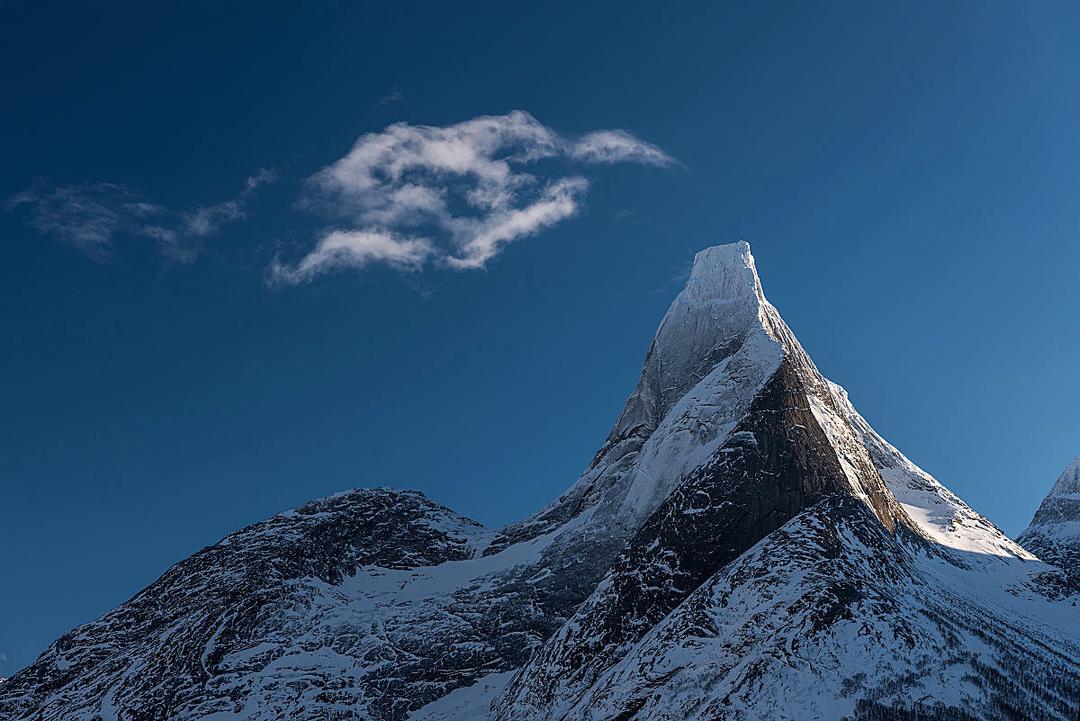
(251, 618)
(1054, 533)
(828, 617)
(743, 546)
(937, 511)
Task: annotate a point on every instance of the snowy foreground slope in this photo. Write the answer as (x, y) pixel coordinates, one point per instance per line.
(1054, 533)
(743, 546)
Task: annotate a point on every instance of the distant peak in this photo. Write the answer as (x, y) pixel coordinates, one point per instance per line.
(1069, 481)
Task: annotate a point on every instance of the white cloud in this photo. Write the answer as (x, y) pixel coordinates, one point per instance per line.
(91, 216)
(355, 249)
(482, 239)
(618, 146)
(454, 195)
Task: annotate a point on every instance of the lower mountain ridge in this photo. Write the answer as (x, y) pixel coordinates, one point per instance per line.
(743, 546)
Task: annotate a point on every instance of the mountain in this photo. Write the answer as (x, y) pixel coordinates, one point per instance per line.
(742, 546)
(1054, 533)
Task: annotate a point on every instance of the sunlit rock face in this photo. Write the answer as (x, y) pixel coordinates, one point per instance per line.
(742, 546)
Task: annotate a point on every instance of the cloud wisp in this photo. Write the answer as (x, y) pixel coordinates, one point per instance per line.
(453, 196)
(392, 98)
(92, 216)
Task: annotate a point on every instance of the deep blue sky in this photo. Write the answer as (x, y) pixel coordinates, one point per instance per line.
(908, 177)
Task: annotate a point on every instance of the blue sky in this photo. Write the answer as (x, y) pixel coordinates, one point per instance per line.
(908, 175)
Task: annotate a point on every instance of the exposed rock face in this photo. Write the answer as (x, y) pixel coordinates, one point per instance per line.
(743, 546)
(1054, 533)
(775, 464)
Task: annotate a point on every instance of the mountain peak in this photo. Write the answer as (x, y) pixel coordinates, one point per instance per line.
(1054, 533)
(724, 271)
(715, 348)
(1069, 481)
(719, 312)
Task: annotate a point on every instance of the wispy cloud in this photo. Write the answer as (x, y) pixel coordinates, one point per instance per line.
(86, 216)
(393, 97)
(455, 196)
(91, 216)
(626, 214)
(356, 249)
(617, 146)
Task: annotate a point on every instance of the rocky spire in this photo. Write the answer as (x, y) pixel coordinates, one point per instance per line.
(707, 322)
(713, 351)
